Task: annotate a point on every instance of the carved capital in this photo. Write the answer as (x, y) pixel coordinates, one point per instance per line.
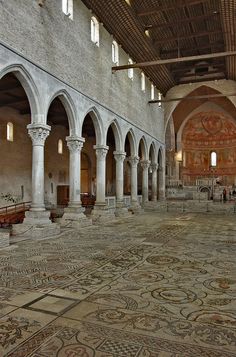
(145, 164)
(38, 133)
(154, 167)
(119, 156)
(101, 151)
(133, 160)
(75, 143)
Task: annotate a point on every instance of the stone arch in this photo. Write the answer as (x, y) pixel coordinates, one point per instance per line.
(117, 134)
(98, 125)
(144, 148)
(188, 90)
(152, 153)
(29, 86)
(132, 141)
(69, 106)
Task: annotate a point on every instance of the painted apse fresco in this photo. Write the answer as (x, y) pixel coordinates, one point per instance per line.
(204, 133)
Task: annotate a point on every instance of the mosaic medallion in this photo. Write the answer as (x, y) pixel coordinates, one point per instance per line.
(162, 260)
(175, 296)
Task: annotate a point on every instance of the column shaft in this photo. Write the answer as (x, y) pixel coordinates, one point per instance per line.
(75, 145)
(145, 166)
(101, 152)
(154, 181)
(38, 134)
(119, 157)
(134, 178)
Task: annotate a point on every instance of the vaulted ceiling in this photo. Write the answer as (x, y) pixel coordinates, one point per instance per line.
(155, 29)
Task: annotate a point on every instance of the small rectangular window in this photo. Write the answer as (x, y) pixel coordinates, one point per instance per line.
(9, 131)
(143, 85)
(152, 92)
(67, 8)
(130, 70)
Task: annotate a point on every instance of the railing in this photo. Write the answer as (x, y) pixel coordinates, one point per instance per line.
(110, 201)
(18, 207)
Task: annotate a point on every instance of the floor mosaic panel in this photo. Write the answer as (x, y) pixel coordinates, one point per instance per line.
(153, 285)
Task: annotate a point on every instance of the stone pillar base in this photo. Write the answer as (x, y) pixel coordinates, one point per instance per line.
(135, 208)
(75, 218)
(101, 214)
(4, 239)
(36, 231)
(36, 225)
(34, 218)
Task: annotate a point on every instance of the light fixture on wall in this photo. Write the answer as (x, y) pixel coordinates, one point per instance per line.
(41, 2)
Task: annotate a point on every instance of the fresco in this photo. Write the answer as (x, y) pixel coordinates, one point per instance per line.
(203, 133)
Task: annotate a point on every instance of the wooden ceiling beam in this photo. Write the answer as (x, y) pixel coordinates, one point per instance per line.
(189, 68)
(202, 79)
(196, 97)
(174, 60)
(181, 4)
(183, 21)
(184, 37)
(197, 48)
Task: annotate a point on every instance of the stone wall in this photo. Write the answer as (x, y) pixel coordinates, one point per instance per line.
(62, 47)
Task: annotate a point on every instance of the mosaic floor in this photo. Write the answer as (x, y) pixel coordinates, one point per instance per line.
(154, 285)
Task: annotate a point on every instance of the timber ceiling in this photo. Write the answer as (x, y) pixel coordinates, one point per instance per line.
(176, 28)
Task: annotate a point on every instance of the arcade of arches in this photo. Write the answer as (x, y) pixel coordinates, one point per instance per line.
(58, 168)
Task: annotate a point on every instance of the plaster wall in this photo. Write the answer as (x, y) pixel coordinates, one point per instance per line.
(15, 157)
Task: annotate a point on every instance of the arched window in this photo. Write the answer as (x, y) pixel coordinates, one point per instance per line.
(213, 158)
(159, 96)
(115, 52)
(152, 91)
(60, 146)
(9, 131)
(130, 70)
(67, 8)
(95, 30)
(143, 82)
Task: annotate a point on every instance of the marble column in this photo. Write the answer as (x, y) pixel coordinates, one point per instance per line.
(134, 179)
(101, 153)
(119, 157)
(145, 166)
(154, 168)
(162, 191)
(75, 145)
(38, 134)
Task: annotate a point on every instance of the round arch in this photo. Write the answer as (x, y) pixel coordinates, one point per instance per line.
(28, 84)
(69, 106)
(98, 126)
(132, 141)
(185, 91)
(152, 153)
(144, 148)
(117, 134)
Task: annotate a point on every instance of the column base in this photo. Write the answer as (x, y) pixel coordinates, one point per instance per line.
(36, 225)
(102, 214)
(74, 217)
(135, 207)
(121, 210)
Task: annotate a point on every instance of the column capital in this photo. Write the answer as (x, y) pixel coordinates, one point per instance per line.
(154, 167)
(38, 133)
(75, 143)
(101, 151)
(133, 160)
(119, 156)
(145, 164)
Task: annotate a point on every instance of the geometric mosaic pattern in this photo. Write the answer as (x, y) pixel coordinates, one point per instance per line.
(153, 285)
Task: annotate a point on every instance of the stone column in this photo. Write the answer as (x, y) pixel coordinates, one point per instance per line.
(75, 145)
(162, 176)
(101, 153)
(145, 166)
(119, 157)
(154, 168)
(134, 179)
(38, 134)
